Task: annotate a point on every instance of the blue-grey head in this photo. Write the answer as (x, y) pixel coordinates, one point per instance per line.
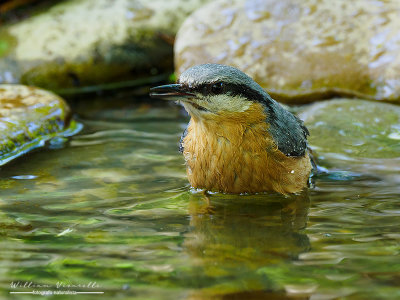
(212, 89)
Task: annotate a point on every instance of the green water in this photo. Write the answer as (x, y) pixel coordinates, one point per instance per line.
(112, 209)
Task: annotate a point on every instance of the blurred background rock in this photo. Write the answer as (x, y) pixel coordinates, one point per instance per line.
(68, 46)
(300, 51)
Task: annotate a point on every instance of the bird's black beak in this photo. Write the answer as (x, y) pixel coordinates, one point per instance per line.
(173, 92)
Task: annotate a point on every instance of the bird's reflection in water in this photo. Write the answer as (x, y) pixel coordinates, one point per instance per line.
(241, 235)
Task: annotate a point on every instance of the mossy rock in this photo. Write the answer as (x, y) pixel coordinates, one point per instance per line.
(80, 43)
(28, 118)
(354, 129)
(300, 51)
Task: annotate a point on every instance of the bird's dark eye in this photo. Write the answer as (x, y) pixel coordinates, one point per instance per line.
(217, 88)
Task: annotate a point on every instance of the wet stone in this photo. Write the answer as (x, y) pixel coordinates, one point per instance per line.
(356, 135)
(300, 51)
(354, 128)
(28, 118)
(92, 42)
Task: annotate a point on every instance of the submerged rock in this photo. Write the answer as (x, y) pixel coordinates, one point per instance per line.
(300, 50)
(354, 128)
(80, 43)
(28, 118)
(357, 135)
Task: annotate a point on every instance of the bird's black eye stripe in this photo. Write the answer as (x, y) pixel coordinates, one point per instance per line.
(246, 92)
(211, 88)
(233, 89)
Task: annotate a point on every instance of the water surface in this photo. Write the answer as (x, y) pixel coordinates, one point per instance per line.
(112, 206)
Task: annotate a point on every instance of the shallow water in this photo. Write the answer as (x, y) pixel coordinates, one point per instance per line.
(113, 207)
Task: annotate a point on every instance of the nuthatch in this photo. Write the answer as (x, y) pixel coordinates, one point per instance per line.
(238, 140)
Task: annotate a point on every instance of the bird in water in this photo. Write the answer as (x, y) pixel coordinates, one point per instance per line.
(238, 140)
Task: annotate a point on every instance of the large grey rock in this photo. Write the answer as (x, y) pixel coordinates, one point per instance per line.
(28, 118)
(300, 50)
(90, 42)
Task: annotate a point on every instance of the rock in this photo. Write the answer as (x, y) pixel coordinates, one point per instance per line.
(354, 128)
(28, 118)
(354, 134)
(300, 50)
(81, 43)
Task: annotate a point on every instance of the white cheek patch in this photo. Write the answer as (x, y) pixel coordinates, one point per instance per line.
(219, 103)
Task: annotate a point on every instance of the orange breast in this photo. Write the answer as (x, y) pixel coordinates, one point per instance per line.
(234, 153)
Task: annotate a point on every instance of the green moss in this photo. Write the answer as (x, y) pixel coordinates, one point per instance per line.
(32, 117)
(3, 47)
(7, 42)
(23, 144)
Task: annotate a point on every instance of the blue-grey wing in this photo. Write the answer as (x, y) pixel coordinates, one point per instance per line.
(287, 130)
